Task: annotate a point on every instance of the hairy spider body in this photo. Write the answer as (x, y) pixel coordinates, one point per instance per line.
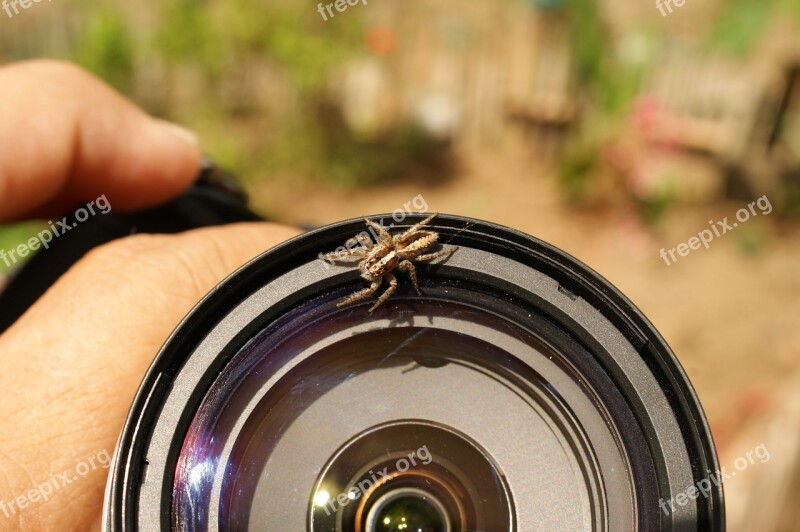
(389, 253)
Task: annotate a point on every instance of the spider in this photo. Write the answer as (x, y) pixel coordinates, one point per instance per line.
(379, 259)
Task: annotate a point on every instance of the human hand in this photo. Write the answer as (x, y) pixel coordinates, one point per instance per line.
(71, 365)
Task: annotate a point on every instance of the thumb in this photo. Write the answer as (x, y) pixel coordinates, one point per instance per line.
(81, 139)
(84, 347)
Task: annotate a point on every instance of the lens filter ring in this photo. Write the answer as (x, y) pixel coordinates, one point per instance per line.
(556, 377)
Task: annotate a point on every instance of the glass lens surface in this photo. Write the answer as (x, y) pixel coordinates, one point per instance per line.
(318, 376)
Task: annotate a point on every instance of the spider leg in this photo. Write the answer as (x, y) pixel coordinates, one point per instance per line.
(408, 266)
(361, 294)
(347, 254)
(432, 256)
(427, 220)
(361, 239)
(424, 240)
(383, 236)
(411, 233)
(389, 291)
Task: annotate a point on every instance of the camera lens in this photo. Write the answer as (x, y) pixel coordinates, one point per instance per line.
(408, 509)
(520, 391)
(414, 465)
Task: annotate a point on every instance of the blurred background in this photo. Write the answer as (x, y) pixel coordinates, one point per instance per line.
(611, 129)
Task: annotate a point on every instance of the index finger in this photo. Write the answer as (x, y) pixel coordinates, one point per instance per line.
(66, 137)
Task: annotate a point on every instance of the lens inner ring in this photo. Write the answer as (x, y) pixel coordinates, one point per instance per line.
(439, 460)
(374, 513)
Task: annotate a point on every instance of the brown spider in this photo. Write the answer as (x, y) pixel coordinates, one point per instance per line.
(379, 259)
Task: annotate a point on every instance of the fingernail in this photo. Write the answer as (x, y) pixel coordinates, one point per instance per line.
(183, 133)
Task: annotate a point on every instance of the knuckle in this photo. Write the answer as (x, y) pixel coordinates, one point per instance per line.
(122, 251)
(59, 69)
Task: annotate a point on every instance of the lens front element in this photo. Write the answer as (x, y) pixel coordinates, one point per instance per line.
(408, 510)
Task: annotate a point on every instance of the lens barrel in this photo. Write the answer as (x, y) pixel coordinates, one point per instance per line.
(521, 391)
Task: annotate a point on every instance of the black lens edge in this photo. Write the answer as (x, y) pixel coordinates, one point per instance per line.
(574, 277)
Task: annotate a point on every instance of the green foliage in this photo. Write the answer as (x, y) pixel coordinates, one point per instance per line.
(13, 235)
(403, 152)
(580, 161)
(610, 82)
(307, 56)
(548, 4)
(590, 41)
(791, 6)
(740, 25)
(106, 47)
(222, 39)
(185, 33)
(752, 238)
(789, 204)
(655, 206)
(215, 34)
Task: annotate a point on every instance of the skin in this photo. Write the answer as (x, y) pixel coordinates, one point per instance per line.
(72, 364)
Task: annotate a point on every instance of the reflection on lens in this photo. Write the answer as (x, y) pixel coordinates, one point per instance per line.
(408, 476)
(408, 510)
